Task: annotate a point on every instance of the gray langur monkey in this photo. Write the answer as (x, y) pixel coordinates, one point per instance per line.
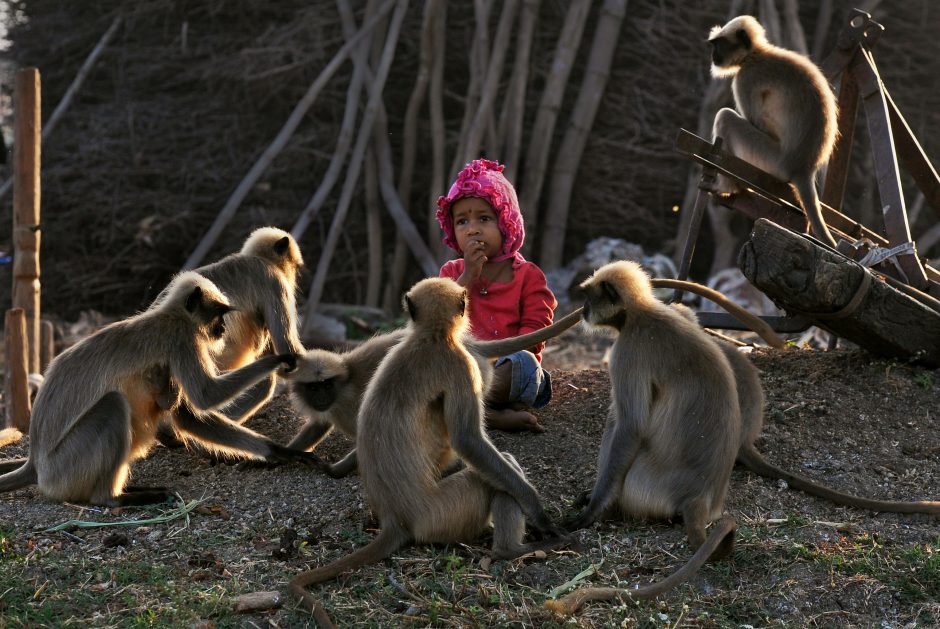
(786, 118)
(424, 405)
(102, 399)
(673, 428)
(327, 387)
(751, 402)
(260, 282)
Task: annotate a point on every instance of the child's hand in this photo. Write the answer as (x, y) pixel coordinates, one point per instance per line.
(473, 260)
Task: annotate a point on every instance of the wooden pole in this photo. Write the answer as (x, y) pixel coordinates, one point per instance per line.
(26, 164)
(16, 380)
(46, 344)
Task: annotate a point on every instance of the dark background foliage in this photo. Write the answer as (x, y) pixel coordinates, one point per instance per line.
(190, 92)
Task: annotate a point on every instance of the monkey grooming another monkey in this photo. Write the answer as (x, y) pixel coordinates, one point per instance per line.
(786, 118)
(260, 282)
(327, 386)
(751, 402)
(101, 401)
(674, 423)
(423, 405)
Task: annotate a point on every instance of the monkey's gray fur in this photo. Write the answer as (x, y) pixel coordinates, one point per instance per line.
(786, 118)
(102, 399)
(751, 401)
(424, 405)
(327, 387)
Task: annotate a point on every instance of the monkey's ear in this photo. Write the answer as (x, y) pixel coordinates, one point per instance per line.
(463, 304)
(412, 309)
(282, 246)
(744, 39)
(608, 290)
(194, 299)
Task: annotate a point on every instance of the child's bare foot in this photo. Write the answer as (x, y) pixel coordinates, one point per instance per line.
(512, 421)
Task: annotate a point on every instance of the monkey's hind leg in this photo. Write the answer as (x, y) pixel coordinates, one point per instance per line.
(91, 461)
(747, 142)
(509, 525)
(695, 517)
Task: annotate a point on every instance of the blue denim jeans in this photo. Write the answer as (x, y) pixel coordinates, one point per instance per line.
(531, 385)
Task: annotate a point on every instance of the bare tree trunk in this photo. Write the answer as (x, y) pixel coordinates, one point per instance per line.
(343, 140)
(470, 142)
(374, 231)
(478, 62)
(823, 20)
(438, 131)
(383, 155)
(536, 160)
(279, 142)
(409, 139)
(511, 122)
(769, 18)
(355, 164)
(582, 118)
(795, 38)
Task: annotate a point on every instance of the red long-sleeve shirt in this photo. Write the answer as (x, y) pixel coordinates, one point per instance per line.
(521, 306)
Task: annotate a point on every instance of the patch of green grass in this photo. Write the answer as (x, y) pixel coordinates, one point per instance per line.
(925, 380)
(914, 571)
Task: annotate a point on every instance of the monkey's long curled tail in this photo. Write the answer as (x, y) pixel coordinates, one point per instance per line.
(570, 603)
(504, 347)
(385, 543)
(754, 461)
(755, 323)
(23, 474)
(806, 188)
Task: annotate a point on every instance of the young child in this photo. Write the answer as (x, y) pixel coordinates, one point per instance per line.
(508, 296)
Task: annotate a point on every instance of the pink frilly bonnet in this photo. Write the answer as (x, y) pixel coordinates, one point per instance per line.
(484, 178)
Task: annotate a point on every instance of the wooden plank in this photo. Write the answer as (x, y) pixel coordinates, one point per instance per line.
(827, 288)
(761, 203)
(837, 172)
(893, 208)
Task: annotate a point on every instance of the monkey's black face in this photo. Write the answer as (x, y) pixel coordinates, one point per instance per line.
(730, 50)
(319, 394)
(603, 305)
(217, 327)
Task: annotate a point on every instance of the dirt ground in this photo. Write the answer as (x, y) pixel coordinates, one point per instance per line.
(860, 424)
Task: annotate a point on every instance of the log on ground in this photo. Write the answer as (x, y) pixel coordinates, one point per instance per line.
(804, 278)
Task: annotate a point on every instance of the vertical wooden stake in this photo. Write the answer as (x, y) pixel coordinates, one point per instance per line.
(15, 382)
(26, 162)
(46, 344)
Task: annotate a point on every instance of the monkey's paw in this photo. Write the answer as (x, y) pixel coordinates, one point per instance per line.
(580, 521)
(280, 454)
(288, 362)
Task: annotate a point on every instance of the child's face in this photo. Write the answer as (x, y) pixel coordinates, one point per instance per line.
(476, 227)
